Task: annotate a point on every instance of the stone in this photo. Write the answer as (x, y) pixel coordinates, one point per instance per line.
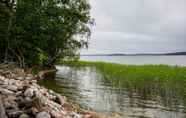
(28, 78)
(60, 99)
(43, 115)
(56, 114)
(6, 91)
(75, 115)
(18, 93)
(29, 92)
(10, 103)
(26, 103)
(34, 110)
(22, 97)
(20, 78)
(12, 88)
(29, 75)
(2, 109)
(24, 116)
(14, 113)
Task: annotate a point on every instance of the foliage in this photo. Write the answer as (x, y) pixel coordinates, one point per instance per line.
(135, 72)
(39, 32)
(159, 83)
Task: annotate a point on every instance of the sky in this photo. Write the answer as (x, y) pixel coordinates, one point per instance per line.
(137, 26)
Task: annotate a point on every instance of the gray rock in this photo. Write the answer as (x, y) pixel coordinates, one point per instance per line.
(75, 115)
(28, 78)
(24, 116)
(27, 102)
(6, 91)
(10, 104)
(29, 92)
(12, 88)
(43, 115)
(2, 109)
(18, 93)
(20, 78)
(14, 113)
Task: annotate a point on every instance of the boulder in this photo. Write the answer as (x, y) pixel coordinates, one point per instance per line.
(43, 115)
(12, 88)
(14, 113)
(10, 103)
(6, 91)
(29, 92)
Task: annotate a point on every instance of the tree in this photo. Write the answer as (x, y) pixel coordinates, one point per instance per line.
(6, 12)
(44, 31)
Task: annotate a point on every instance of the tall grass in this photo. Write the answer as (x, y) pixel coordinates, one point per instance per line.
(142, 72)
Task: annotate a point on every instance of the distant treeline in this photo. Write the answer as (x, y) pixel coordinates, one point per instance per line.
(139, 54)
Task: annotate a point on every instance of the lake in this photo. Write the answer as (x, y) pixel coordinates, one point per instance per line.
(87, 87)
(139, 60)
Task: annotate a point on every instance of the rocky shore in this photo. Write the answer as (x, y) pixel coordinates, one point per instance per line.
(22, 97)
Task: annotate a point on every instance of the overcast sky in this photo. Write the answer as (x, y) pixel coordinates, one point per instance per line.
(138, 26)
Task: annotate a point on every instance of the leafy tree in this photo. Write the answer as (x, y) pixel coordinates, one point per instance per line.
(6, 12)
(43, 31)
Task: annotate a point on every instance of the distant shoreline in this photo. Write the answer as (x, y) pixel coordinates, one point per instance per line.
(140, 54)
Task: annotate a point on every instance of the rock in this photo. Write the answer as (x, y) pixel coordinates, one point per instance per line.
(12, 88)
(18, 93)
(24, 116)
(2, 109)
(28, 78)
(29, 92)
(22, 97)
(56, 114)
(34, 110)
(75, 115)
(60, 99)
(6, 91)
(9, 102)
(14, 113)
(29, 75)
(43, 115)
(20, 78)
(26, 103)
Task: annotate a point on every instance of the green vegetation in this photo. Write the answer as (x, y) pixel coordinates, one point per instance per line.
(151, 82)
(39, 32)
(143, 72)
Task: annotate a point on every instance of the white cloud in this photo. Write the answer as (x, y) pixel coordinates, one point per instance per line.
(138, 26)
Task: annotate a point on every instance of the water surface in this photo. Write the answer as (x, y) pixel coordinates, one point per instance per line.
(139, 60)
(131, 99)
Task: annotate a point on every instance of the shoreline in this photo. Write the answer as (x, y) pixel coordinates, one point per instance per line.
(22, 97)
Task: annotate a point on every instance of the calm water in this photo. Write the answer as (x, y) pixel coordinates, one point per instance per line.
(131, 99)
(139, 60)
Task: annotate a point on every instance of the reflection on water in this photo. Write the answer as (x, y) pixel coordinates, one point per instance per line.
(131, 99)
